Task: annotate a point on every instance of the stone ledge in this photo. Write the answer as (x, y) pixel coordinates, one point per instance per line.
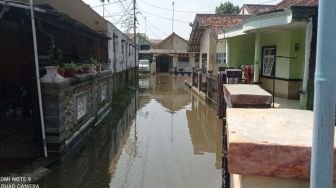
(270, 142)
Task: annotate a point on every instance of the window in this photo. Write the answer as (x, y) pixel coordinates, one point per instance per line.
(268, 60)
(183, 58)
(122, 47)
(221, 58)
(204, 60)
(144, 47)
(81, 106)
(197, 58)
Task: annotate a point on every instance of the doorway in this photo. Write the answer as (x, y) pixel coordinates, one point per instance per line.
(164, 62)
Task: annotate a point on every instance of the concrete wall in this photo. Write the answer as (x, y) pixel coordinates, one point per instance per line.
(121, 54)
(242, 50)
(297, 65)
(290, 69)
(204, 46)
(282, 40)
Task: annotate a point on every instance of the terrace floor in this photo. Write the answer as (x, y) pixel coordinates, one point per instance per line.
(287, 103)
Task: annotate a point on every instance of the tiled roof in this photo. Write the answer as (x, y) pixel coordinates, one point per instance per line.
(217, 22)
(257, 9)
(288, 3)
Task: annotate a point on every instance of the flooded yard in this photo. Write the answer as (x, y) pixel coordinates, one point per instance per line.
(167, 137)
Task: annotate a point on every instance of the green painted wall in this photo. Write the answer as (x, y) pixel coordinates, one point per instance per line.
(242, 50)
(281, 39)
(297, 65)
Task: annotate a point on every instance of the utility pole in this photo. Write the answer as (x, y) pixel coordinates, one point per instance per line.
(104, 9)
(134, 25)
(322, 160)
(173, 16)
(145, 25)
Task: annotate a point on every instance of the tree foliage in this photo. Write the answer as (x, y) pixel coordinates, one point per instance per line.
(227, 8)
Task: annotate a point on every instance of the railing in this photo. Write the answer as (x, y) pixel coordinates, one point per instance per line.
(212, 88)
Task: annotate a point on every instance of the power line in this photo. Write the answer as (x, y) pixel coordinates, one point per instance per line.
(163, 17)
(182, 11)
(153, 25)
(126, 12)
(106, 4)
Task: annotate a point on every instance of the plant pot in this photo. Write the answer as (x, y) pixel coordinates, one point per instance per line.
(98, 68)
(51, 75)
(86, 70)
(61, 72)
(70, 72)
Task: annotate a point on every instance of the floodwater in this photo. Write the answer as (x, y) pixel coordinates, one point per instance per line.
(167, 138)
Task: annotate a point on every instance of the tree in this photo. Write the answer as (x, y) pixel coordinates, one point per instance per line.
(227, 8)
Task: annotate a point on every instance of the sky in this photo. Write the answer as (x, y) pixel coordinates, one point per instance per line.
(158, 14)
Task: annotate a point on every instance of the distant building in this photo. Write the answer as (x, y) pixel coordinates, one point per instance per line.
(169, 54)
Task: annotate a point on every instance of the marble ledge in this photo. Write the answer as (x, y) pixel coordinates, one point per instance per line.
(270, 142)
(246, 95)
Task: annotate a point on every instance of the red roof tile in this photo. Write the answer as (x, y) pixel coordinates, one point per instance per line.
(257, 9)
(217, 22)
(288, 3)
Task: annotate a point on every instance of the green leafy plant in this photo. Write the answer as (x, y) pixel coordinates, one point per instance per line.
(70, 69)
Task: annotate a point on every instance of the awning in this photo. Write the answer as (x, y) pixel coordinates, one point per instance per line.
(49, 15)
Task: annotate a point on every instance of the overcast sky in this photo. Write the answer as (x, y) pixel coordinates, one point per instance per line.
(159, 13)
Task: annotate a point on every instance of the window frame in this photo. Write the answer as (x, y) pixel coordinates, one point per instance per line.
(272, 74)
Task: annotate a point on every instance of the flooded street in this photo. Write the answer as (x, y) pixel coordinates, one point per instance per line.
(167, 137)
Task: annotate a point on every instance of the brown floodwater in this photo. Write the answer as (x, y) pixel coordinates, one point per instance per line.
(167, 137)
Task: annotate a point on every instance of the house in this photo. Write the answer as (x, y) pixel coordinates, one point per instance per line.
(281, 45)
(121, 56)
(168, 55)
(122, 67)
(208, 50)
(67, 107)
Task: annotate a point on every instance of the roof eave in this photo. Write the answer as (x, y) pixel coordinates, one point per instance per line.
(271, 19)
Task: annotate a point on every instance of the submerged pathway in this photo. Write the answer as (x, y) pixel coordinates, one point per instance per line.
(167, 137)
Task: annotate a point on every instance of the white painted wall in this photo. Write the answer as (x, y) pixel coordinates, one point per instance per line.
(119, 60)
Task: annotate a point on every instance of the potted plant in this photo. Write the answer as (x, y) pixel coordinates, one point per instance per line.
(61, 71)
(98, 67)
(70, 69)
(86, 69)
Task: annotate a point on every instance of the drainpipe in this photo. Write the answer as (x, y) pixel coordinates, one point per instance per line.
(38, 77)
(324, 98)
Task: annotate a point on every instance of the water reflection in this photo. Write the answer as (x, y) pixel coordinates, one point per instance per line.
(173, 140)
(179, 140)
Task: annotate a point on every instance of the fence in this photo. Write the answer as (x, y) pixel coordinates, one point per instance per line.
(206, 83)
